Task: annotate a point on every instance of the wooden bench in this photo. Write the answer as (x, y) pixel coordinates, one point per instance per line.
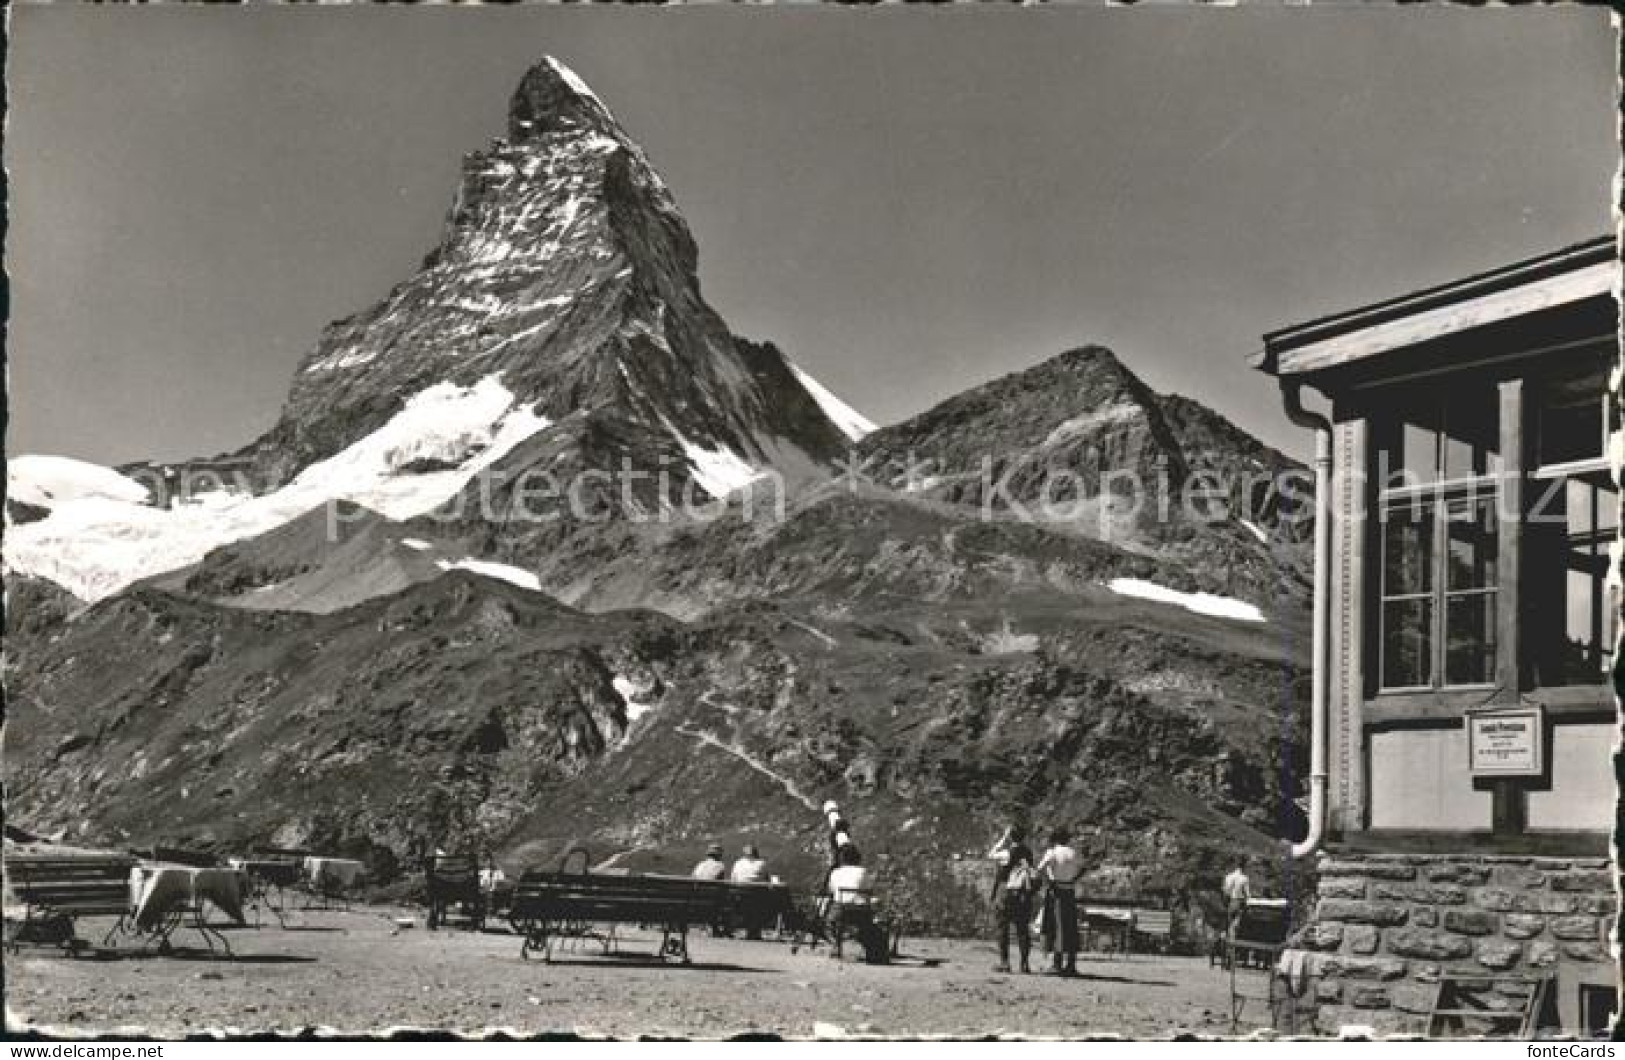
(498, 893)
(1155, 927)
(755, 906)
(1105, 921)
(553, 908)
(197, 859)
(57, 890)
(453, 884)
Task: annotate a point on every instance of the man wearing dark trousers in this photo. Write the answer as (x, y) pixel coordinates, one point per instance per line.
(1012, 895)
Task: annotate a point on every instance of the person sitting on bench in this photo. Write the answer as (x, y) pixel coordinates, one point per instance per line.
(712, 867)
(750, 868)
(850, 906)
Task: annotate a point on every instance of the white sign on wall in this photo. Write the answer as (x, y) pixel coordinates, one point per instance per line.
(1506, 742)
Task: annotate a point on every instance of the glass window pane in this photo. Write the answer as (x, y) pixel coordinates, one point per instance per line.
(1588, 618)
(1607, 506)
(1580, 506)
(1572, 417)
(1472, 543)
(1407, 627)
(1571, 614)
(1408, 448)
(1472, 437)
(1407, 550)
(1419, 448)
(1592, 505)
(1573, 432)
(1470, 639)
(1581, 617)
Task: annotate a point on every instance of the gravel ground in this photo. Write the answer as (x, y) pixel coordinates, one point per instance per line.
(355, 972)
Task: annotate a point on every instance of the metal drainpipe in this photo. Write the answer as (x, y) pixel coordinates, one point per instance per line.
(1292, 395)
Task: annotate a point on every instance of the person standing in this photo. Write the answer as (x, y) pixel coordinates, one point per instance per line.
(1060, 868)
(1238, 891)
(840, 833)
(1013, 885)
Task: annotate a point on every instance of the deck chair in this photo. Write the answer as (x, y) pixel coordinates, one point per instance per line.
(1253, 948)
(452, 882)
(1479, 1006)
(857, 911)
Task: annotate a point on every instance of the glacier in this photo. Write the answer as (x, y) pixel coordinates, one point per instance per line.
(104, 536)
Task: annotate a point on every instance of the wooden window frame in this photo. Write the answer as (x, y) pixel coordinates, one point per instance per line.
(1440, 494)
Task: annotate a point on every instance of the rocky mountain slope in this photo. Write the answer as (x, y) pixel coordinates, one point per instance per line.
(380, 632)
(1080, 443)
(466, 706)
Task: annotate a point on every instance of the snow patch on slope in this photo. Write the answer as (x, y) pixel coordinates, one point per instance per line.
(1200, 603)
(851, 422)
(1090, 421)
(571, 78)
(477, 425)
(343, 358)
(500, 571)
(95, 544)
(46, 481)
(629, 691)
(718, 471)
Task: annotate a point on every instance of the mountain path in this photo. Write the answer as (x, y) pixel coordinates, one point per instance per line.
(755, 763)
(827, 640)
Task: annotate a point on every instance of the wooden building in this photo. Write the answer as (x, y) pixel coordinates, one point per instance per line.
(1469, 615)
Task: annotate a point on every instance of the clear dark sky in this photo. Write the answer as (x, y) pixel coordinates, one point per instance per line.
(909, 202)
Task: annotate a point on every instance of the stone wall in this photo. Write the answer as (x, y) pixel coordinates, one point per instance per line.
(1386, 926)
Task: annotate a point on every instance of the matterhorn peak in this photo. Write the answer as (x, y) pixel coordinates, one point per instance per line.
(552, 98)
(557, 324)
